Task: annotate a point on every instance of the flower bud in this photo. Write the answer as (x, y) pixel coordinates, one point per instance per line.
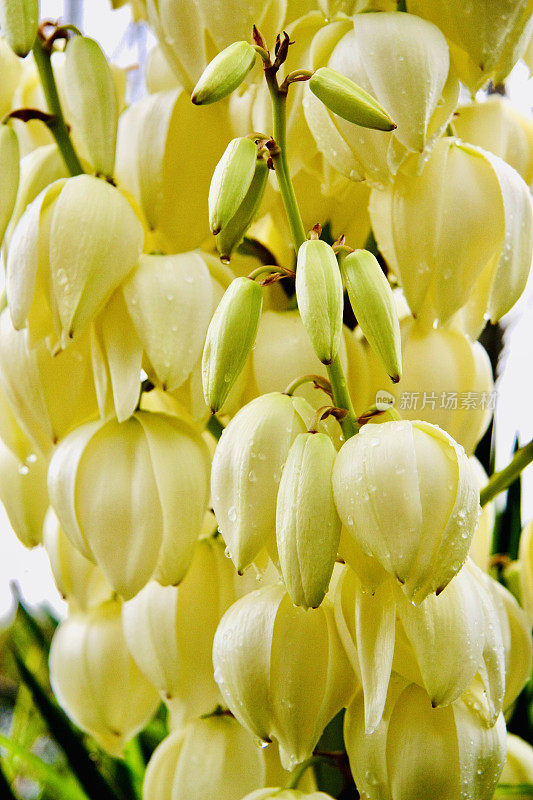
(346, 99)
(18, 21)
(224, 73)
(408, 495)
(230, 338)
(320, 298)
(210, 757)
(233, 233)
(169, 301)
(383, 53)
(23, 494)
(373, 304)
(92, 101)
(71, 276)
(95, 679)
(127, 471)
(247, 468)
(307, 524)
(418, 751)
(420, 223)
(49, 395)
(485, 40)
(169, 631)
(78, 580)
(288, 676)
(9, 176)
(231, 180)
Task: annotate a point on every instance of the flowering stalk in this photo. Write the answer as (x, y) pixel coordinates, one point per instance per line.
(57, 124)
(503, 479)
(278, 154)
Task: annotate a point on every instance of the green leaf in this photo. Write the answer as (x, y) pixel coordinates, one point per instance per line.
(42, 772)
(514, 790)
(5, 789)
(68, 738)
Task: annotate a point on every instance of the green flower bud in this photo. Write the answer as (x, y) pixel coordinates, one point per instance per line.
(19, 20)
(320, 298)
(9, 176)
(210, 757)
(408, 494)
(231, 180)
(373, 304)
(94, 677)
(169, 631)
(232, 235)
(224, 73)
(282, 671)
(230, 338)
(247, 468)
(345, 98)
(92, 101)
(307, 524)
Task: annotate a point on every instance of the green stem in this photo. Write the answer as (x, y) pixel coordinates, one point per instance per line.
(341, 395)
(57, 126)
(215, 426)
(503, 479)
(297, 775)
(279, 159)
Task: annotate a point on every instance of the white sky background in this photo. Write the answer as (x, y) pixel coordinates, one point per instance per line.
(514, 410)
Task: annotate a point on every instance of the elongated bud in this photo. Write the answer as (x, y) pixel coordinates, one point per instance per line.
(408, 494)
(288, 676)
(9, 175)
(224, 73)
(373, 304)
(231, 181)
(345, 98)
(233, 233)
(247, 468)
(95, 678)
(230, 338)
(307, 524)
(320, 300)
(18, 23)
(92, 101)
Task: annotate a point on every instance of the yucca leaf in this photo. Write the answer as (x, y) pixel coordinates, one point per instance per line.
(41, 772)
(68, 738)
(5, 789)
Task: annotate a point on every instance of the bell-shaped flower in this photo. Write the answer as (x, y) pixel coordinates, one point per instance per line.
(282, 670)
(167, 166)
(498, 127)
(486, 39)
(446, 380)
(23, 494)
(48, 395)
(518, 767)
(169, 631)
(525, 557)
(71, 248)
(408, 495)
(188, 34)
(383, 632)
(79, 581)
(418, 751)
(430, 227)
(148, 521)
(247, 468)
(96, 680)
(210, 757)
(383, 54)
